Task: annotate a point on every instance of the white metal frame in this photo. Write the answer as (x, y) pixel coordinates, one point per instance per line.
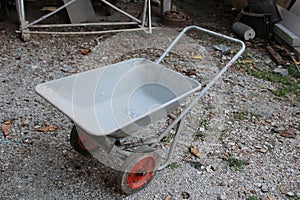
(25, 25)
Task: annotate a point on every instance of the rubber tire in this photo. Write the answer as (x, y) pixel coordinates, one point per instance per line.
(74, 140)
(129, 163)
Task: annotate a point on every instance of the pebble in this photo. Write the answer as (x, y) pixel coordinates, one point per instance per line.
(290, 194)
(222, 196)
(185, 195)
(264, 188)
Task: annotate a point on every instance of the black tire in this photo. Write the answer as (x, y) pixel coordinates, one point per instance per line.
(138, 170)
(81, 146)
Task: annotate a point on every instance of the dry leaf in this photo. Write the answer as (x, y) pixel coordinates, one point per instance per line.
(85, 51)
(49, 8)
(197, 57)
(169, 197)
(271, 197)
(288, 133)
(187, 158)
(47, 128)
(6, 127)
(194, 151)
(23, 121)
(247, 61)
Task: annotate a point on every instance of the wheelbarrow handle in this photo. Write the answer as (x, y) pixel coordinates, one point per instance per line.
(179, 36)
(209, 85)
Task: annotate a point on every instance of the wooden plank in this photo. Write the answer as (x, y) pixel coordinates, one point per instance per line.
(275, 55)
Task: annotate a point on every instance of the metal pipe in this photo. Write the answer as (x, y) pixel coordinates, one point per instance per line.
(22, 12)
(49, 14)
(144, 13)
(84, 24)
(206, 31)
(20, 9)
(171, 150)
(84, 33)
(149, 17)
(121, 11)
(209, 85)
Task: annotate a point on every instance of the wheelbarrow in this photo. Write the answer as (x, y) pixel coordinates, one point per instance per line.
(110, 104)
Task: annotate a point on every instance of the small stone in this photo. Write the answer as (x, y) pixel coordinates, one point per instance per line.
(263, 150)
(281, 70)
(201, 129)
(258, 147)
(268, 61)
(214, 168)
(290, 194)
(264, 188)
(34, 66)
(168, 197)
(185, 195)
(222, 196)
(259, 185)
(26, 122)
(41, 58)
(231, 143)
(222, 184)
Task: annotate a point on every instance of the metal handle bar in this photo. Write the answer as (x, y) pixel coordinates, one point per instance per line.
(208, 86)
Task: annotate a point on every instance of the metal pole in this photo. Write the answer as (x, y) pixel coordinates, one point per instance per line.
(144, 13)
(83, 33)
(84, 24)
(50, 14)
(149, 17)
(171, 150)
(121, 11)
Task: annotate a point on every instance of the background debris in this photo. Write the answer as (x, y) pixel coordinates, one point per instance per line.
(194, 151)
(47, 128)
(6, 127)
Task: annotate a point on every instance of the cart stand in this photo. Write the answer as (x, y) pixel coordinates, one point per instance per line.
(25, 26)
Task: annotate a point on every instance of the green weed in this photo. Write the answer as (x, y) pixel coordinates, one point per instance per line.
(173, 165)
(252, 198)
(204, 123)
(236, 163)
(198, 135)
(240, 115)
(287, 84)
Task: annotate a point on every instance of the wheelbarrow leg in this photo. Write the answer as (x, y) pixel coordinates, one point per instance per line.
(171, 150)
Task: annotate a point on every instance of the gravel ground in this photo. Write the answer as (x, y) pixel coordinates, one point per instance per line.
(247, 137)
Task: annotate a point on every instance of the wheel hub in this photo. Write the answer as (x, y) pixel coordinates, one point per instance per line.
(141, 173)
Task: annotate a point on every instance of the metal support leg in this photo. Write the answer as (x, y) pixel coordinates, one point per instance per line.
(171, 150)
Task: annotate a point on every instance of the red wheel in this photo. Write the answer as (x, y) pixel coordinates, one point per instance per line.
(138, 170)
(82, 143)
